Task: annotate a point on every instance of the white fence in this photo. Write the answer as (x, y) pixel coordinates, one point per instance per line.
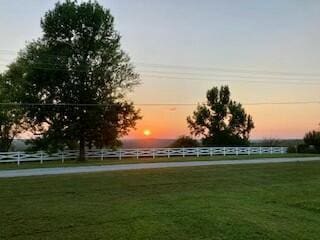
(19, 157)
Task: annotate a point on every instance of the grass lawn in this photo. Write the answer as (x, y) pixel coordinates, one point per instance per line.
(271, 201)
(97, 162)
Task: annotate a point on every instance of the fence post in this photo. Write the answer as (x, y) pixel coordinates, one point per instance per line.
(137, 153)
(18, 160)
(183, 153)
(224, 151)
(260, 150)
(101, 156)
(41, 157)
(153, 153)
(271, 150)
(249, 150)
(168, 152)
(120, 154)
(197, 152)
(237, 151)
(62, 157)
(211, 152)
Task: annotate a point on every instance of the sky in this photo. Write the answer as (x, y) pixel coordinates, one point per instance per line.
(180, 46)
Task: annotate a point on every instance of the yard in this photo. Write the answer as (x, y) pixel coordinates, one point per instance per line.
(272, 201)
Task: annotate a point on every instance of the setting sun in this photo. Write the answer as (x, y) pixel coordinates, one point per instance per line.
(146, 132)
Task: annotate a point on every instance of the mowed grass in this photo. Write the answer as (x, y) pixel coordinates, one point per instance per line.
(112, 161)
(271, 201)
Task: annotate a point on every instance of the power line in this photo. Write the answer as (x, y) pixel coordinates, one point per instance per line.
(242, 79)
(198, 68)
(149, 104)
(262, 81)
(227, 69)
(162, 74)
(231, 76)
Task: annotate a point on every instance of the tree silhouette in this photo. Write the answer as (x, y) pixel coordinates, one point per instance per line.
(77, 61)
(221, 121)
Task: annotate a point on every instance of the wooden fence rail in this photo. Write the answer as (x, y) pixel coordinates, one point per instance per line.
(19, 157)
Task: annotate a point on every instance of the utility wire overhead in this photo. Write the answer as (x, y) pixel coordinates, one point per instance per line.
(197, 68)
(216, 78)
(150, 104)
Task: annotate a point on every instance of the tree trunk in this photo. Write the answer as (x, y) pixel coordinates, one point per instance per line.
(82, 152)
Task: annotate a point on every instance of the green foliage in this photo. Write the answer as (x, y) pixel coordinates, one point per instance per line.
(312, 138)
(184, 141)
(77, 61)
(312, 143)
(10, 116)
(276, 142)
(221, 121)
(292, 149)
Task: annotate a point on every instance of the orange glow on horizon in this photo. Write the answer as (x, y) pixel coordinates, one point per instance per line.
(270, 121)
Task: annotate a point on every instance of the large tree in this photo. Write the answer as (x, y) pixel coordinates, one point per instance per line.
(221, 121)
(11, 116)
(77, 76)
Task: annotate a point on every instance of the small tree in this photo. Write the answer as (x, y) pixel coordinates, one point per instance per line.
(221, 121)
(184, 141)
(313, 139)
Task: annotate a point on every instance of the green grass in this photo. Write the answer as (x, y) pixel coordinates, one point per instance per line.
(271, 201)
(95, 162)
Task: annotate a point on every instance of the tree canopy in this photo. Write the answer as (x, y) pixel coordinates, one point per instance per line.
(312, 138)
(11, 117)
(221, 121)
(77, 76)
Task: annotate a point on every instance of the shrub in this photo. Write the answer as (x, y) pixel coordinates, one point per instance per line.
(292, 149)
(184, 141)
(312, 140)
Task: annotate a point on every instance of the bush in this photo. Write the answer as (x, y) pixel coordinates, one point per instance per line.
(292, 149)
(312, 142)
(304, 148)
(184, 141)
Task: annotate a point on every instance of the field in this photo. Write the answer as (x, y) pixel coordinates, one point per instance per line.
(97, 162)
(272, 201)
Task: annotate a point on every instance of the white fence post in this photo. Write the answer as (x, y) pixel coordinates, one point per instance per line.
(41, 157)
(271, 150)
(137, 153)
(18, 160)
(197, 152)
(62, 156)
(260, 150)
(120, 154)
(183, 153)
(168, 152)
(211, 151)
(237, 151)
(153, 153)
(101, 156)
(224, 151)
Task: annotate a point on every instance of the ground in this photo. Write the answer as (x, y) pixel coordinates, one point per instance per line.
(111, 161)
(271, 201)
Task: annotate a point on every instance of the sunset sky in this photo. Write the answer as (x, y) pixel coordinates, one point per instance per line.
(181, 48)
